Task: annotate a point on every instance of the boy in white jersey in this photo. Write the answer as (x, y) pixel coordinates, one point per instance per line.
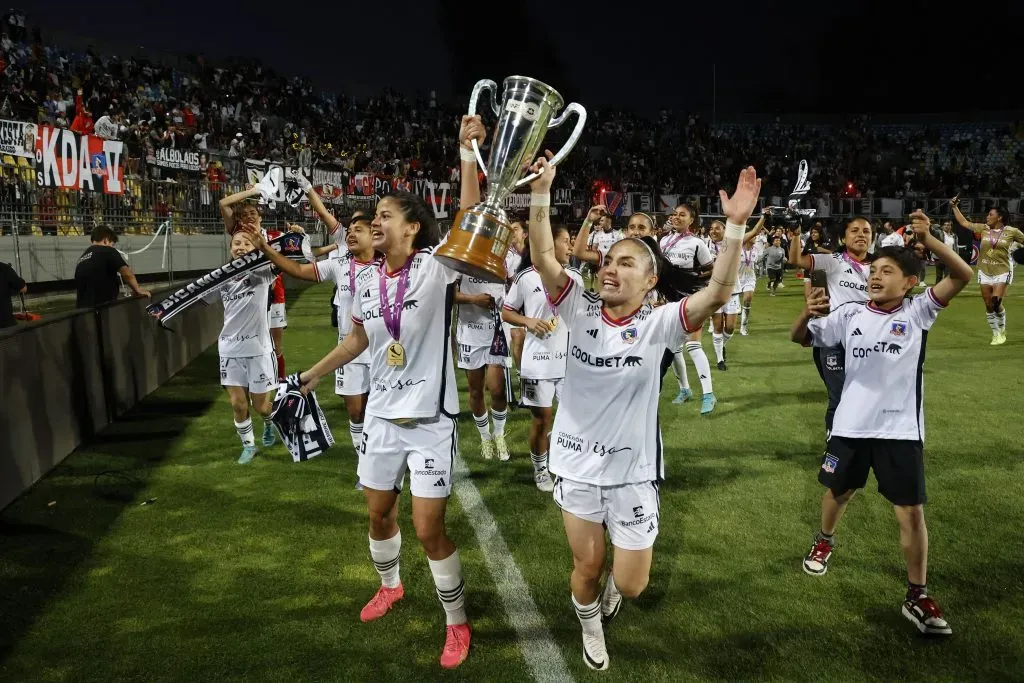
(352, 381)
(544, 351)
(248, 368)
(686, 250)
(879, 424)
(606, 453)
(846, 273)
(402, 317)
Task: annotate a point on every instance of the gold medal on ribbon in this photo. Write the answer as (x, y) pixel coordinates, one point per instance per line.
(396, 355)
(554, 323)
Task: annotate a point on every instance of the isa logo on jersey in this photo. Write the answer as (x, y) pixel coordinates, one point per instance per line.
(629, 335)
(830, 464)
(899, 328)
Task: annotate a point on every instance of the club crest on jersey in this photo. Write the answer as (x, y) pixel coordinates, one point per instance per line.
(899, 328)
(830, 464)
(832, 361)
(629, 335)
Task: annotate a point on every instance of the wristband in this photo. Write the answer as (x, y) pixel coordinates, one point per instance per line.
(540, 199)
(466, 154)
(733, 231)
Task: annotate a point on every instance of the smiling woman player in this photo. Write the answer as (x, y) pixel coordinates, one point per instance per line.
(846, 273)
(401, 317)
(608, 463)
(880, 421)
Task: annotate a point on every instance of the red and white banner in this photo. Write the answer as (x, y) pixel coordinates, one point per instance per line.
(81, 162)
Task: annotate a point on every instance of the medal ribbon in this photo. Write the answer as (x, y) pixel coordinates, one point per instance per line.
(393, 315)
(672, 241)
(993, 241)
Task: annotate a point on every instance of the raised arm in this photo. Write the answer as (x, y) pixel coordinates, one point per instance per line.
(737, 210)
(318, 207)
(959, 273)
(751, 235)
(962, 219)
(796, 249)
(472, 128)
(580, 249)
(226, 204)
(542, 246)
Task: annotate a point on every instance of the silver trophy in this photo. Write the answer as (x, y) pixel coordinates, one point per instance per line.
(480, 235)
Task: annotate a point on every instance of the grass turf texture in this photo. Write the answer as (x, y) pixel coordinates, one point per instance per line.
(258, 572)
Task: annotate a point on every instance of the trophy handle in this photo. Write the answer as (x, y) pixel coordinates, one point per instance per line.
(581, 121)
(482, 85)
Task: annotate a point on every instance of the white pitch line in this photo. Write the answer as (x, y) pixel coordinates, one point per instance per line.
(538, 647)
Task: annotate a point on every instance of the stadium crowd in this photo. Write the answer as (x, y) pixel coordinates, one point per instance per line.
(244, 109)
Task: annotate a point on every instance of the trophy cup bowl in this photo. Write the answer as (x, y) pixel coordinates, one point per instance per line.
(480, 236)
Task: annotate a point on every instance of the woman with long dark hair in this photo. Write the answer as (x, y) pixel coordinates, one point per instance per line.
(401, 317)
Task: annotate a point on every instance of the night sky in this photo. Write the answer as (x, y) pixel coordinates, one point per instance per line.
(872, 56)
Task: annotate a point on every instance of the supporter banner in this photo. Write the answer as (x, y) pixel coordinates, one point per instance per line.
(18, 138)
(178, 159)
(330, 182)
(668, 202)
(82, 162)
(561, 197)
(438, 197)
(288, 191)
(361, 185)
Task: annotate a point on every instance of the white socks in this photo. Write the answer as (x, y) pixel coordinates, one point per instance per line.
(355, 430)
(718, 341)
(727, 336)
(589, 615)
(679, 365)
(701, 364)
(744, 315)
(451, 588)
(385, 556)
(244, 430)
(1001, 319)
(498, 417)
(483, 425)
(993, 322)
(540, 462)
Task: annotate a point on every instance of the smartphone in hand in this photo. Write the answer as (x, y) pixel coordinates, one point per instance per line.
(819, 279)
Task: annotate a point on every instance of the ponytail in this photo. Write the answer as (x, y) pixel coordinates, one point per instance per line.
(674, 283)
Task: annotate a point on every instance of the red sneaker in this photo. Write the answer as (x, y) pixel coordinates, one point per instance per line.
(456, 646)
(923, 613)
(381, 603)
(816, 561)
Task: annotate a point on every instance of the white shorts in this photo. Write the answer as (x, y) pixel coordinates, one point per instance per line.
(352, 379)
(1004, 278)
(540, 393)
(278, 316)
(426, 449)
(475, 357)
(257, 374)
(732, 307)
(630, 512)
(748, 284)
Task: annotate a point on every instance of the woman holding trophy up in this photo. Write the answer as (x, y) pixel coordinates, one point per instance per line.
(607, 471)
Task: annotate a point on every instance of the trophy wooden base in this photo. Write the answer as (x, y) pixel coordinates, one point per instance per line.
(473, 253)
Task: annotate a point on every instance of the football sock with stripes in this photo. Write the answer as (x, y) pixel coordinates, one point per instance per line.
(719, 343)
(679, 365)
(540, 462)
(244, 430)
(993, 322)
(745, 315)
(701, 364)
(483, 425)
(1001, 320)
(726, 336)
(355, 430)
(499, 417)
(589, 615)
(451, 589)
(385, 555)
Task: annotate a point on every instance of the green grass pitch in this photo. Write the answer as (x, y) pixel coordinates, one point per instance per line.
(258, 572)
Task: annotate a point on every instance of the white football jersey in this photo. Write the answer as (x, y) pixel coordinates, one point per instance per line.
(884, 388)
(847, 277)
(476, 323)
(606, 430)
(246, 331)
(342, 270)
(686, 251)
(601, 241)
(542, 358)
(748, 258)
(425, 385)
(512, 260)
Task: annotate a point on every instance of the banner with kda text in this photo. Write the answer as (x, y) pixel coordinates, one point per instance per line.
(80, 162)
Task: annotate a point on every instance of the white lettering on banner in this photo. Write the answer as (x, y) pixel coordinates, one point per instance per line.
(84, 172)
(440, 209)
(381, 186)
(112, 152)
(49, 175)
(322, 177)
(66, 159)
(167, 157)
(69, 158)
(520, 200)
(562, 197)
